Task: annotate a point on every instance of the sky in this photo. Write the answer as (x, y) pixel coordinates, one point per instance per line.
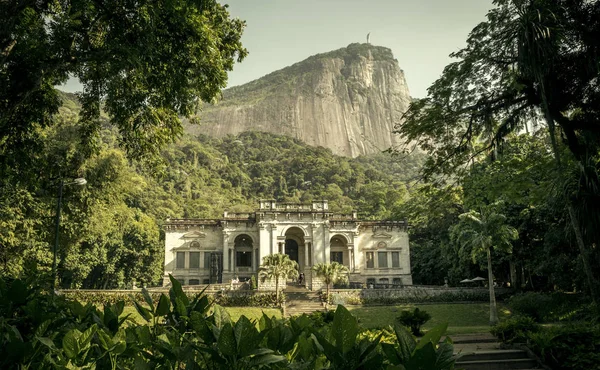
(420, 33)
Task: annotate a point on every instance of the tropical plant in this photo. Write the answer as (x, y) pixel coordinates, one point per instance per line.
(278, 266)
(514, 329)
(331, 273)
(414, 320)
(428, 353)
(479, 232)
(344, 349)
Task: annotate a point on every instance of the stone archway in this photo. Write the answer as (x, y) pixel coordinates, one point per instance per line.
(242, 255)
(295, 246)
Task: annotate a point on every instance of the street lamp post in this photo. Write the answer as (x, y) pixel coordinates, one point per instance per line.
(79, 181)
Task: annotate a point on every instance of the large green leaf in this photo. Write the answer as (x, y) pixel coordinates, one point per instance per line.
(148, 298)
(143, 311)
(163, 306)
(177, 292)
(261, 360)
(221, 316)
(143, 334)
(433, 336)
(423, 358)
(245, 336)
(70, 343)
(47, 342)
(226, 342)
(406, 343)
(445, 358)
(389, 350)
(344, 329)
(104, 339)
(202, 327)
(86, 337)
(119, 342)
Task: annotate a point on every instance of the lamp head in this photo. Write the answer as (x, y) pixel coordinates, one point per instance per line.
(80, 181)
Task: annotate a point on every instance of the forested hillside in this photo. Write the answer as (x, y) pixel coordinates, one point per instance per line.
(110, 228)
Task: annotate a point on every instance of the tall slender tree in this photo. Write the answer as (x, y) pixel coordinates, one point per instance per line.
(279, 267)
(480, 232)
(331, 273)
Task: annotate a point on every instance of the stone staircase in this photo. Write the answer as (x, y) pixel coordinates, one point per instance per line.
(483, 352)
(300, 300)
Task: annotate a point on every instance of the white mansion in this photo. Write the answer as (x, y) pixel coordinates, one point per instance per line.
(203, 251)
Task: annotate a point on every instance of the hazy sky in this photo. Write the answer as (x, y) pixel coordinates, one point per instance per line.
(421, 33)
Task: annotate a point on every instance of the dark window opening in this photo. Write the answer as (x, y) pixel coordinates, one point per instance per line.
(337, 257)
(370, 260)
(207, 260)
(395, 259)
(382, 259)
(194, 260)
(180, 260)
(243, 259)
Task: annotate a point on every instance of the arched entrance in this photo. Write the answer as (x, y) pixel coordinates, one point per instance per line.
(295, 247)
(242, 249)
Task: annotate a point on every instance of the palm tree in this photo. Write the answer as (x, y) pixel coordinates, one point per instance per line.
(482, 231)
(331, 273)
(278, 266)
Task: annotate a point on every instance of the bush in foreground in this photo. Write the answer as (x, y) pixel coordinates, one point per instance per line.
(42, 331)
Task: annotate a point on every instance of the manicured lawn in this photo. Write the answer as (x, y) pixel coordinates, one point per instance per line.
(462, 318)
(253, 313)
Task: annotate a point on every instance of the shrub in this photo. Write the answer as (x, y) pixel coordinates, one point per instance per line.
(320, 319)
(570, 347)
(387, 335)
(250, 299)
(414, 320)
(515, 329)
(535, 305)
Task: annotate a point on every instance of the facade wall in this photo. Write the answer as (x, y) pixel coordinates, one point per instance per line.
(374, 251)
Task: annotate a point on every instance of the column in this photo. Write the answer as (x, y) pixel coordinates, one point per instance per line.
(274, 244)
(326, 243)
(306, 262)
(282, 247)
(264, 240)
(225, 251)
(351, 257)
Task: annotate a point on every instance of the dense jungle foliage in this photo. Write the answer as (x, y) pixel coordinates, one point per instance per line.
(110, 228)
(48, 332)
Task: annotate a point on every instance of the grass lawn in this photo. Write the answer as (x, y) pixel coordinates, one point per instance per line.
(253, 313)
(462, 318)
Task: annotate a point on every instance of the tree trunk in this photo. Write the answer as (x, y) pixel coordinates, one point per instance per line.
(277, 290)
(513, 273)
(493, 308)
(326, 296)
(593, 286)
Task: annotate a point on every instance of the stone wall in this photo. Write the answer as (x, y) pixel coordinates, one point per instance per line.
(269, 284)
(414, 294)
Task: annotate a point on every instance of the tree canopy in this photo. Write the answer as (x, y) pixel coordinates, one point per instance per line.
(145, 63)
(531, 62)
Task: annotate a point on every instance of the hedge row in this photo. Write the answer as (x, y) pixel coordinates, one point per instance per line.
(237, 298)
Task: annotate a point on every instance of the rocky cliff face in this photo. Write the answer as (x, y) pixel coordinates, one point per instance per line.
(347, 100)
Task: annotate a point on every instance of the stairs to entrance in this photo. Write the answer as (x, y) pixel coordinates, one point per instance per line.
(300, 300)
(483, 352)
